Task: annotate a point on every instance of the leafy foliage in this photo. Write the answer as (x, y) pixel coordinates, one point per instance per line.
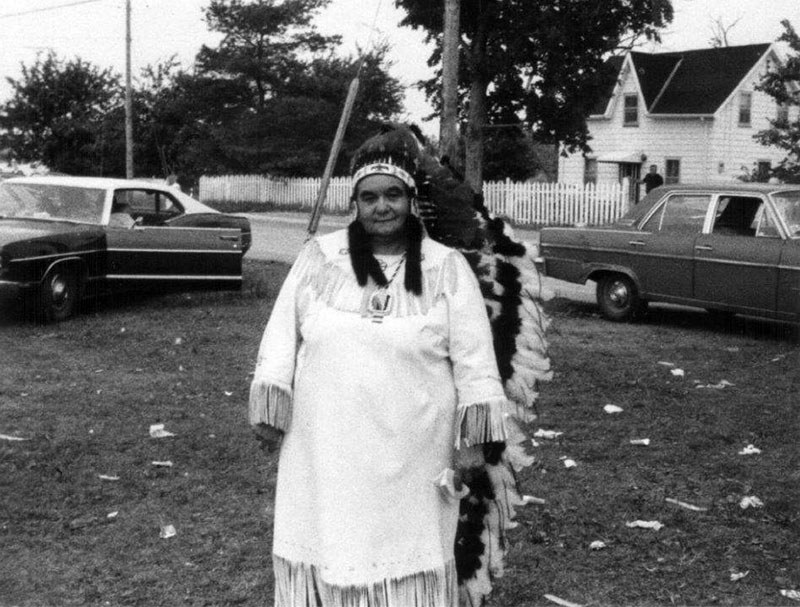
(781, 84)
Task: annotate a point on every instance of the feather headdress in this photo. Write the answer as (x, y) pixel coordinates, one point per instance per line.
(455, 216)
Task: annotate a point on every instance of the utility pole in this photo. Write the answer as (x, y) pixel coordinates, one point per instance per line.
(128, 95)
(448, 125)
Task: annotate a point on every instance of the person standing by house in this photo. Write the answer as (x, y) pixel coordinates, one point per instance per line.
(652, 179)
(375, 372)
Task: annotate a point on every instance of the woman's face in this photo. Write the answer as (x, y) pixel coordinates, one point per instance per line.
(383, 205)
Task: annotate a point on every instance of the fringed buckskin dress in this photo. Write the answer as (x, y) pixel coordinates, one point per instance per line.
(373, 406)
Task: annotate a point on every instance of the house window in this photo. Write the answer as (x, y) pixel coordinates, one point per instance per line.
(783, 113)
(763, 169)
(631, 115)
(745, 104)
(672, 171)
(590, 170)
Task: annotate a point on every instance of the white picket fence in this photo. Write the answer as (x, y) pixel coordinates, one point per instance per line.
(523, 203)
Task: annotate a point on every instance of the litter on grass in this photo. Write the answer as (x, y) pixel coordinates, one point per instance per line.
(654, 525)
(750, 501)
(612, 409)
(718, 386)
(750, 450)
(677, 372)
(108, 477)
(541, 433)
(228, 393)
(12, 438)
(554, 599)
(534, 442)
(569, 463)
(597, 545)
(736, 575)
(791, 594)
(178, 341)
(640, 441)
(529, 499)
(665, 363)
(162, 464)
(158, 431)
(112, 515)
(685, 505)
(167, 531)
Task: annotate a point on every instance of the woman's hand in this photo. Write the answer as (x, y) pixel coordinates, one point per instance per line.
(268, 437)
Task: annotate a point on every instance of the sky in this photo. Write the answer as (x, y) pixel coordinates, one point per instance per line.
(94, 30)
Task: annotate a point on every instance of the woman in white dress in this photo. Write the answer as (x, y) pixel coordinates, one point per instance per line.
(377, 375)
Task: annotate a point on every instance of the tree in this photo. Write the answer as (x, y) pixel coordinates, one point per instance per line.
(56, 114)
(541, 63)
(781, 83)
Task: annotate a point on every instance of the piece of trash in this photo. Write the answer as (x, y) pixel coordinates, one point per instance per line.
(178, 341)
(640, 441)
(718, 386)
(180, 367)
(122, 330)
(777, 358)
(677, 372)
(685, 505)
(529, 499)
(655, 525)
(791, 594)
(569, 463)
(732, 349)
(665, 363)
(750, 450)
(612, 409)
(561, 602)
(736, 576)
(157, 431)
(162, 464)
(541, 433)
(750, 501)
(108, 477)
(12, 438)
(446, 483)
(167, 531)
(228, 393)
(597, 545)
(112, 515)
(534, 442)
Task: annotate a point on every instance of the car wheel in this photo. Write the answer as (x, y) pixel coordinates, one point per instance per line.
(618, 298)
(58, 295)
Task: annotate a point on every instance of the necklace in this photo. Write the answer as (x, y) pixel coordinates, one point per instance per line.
(380, 302)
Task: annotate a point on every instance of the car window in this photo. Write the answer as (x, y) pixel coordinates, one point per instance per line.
(766, 225)
(141, 202)
(736, 215)
(680, 214)
(152, 207)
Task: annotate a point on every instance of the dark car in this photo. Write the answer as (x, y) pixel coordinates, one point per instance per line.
(64, 238)
(731, 248)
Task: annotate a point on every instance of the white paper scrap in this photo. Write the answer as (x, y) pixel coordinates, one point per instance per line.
(107, 477)
(12, 438)
(791, 594)
(112, 515)
(597, 545)
(640, 441)
(157, 431)
(718, 386)
(677, 372)
(562, 602)
(750, 501)
(569, 463)
(534, 442)
(529, 499)
(178, 341)
(750, 450)
(685, 505)
(167, 531)
(612, 409)
(541, 433)
(737, 575)
(162, 464)
(228, 393)
(655, 525)
(666, 363)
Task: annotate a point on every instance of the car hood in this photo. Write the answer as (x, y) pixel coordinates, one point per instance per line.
(16, 230)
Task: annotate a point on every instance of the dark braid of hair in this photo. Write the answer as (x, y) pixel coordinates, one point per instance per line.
(364, 262)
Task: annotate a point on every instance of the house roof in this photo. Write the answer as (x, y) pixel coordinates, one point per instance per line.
(694, 81)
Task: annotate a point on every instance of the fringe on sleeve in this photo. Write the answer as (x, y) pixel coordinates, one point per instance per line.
(270, 404)
(482, 422)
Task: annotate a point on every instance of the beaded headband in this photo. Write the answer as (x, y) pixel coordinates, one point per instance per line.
(384, 168)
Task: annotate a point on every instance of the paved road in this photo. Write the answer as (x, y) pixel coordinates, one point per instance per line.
(280, 235)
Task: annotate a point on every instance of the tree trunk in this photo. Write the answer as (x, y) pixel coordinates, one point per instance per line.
(476, 118)
(448, 127)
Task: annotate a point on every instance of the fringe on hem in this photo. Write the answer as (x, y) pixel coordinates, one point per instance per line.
(482, 423)
(270, 404)
(301, 585)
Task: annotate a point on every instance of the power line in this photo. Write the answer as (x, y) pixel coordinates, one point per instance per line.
(48, 8)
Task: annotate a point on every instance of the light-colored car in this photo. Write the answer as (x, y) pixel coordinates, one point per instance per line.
(65, 238)
(733, 248)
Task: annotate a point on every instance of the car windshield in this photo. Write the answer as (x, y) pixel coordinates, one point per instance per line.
(788, 206)
(53, 202)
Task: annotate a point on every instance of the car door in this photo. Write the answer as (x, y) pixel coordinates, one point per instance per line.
(152, 252)
(737, 260)
(661, 253)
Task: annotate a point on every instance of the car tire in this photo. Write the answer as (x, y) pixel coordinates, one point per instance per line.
(619, 298)
(58, 295)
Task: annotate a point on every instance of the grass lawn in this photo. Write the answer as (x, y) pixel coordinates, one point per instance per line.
(85, 393)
